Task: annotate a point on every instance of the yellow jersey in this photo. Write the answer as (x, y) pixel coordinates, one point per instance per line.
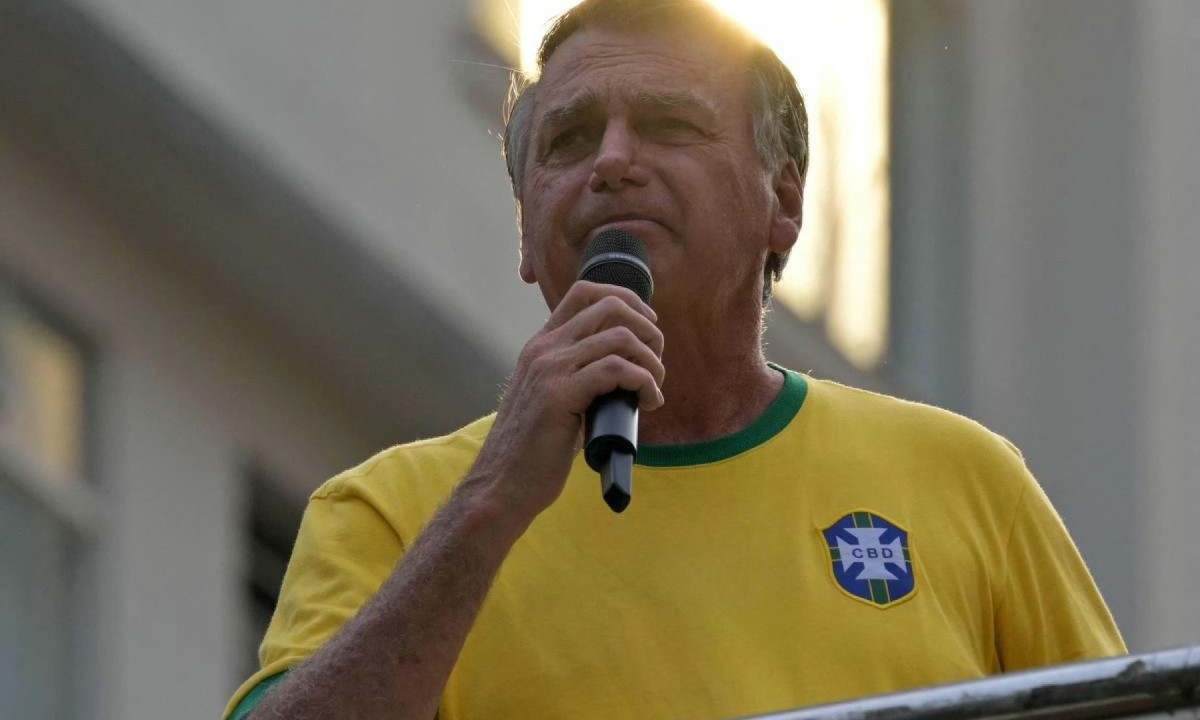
(844, 544)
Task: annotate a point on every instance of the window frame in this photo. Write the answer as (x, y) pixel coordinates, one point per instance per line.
(72, 500)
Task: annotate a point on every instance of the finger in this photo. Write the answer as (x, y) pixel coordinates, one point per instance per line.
(583, 294)
(609, 312)
(622, 342)
(613, 372)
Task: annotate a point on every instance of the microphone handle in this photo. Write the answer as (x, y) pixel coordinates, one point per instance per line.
(610, 444)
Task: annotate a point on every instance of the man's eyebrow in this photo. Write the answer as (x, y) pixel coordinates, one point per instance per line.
(586, 103)
(573, 109)
(675, 101)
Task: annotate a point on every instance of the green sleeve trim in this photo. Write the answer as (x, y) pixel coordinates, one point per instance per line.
(252, 698)
(774, 419)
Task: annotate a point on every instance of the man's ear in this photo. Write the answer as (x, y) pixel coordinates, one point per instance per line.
(789, 207)
(526, 266)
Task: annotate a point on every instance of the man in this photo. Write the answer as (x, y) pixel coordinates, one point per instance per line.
(790, 542)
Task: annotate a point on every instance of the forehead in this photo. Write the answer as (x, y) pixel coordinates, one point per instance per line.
(623, 65)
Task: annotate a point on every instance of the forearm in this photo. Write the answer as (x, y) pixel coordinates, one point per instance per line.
(393, 658)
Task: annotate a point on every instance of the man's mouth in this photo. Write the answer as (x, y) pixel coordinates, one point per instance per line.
(638, 225)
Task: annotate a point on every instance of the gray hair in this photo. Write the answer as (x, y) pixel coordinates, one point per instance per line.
(778, 111)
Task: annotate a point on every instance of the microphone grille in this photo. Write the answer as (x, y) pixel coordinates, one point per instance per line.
(617, 257)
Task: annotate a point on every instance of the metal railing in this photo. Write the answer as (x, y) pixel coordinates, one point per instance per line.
(1153, 685)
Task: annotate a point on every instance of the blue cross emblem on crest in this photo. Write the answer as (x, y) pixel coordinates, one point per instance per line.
(870, 558)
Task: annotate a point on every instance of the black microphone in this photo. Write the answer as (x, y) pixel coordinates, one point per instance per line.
(615, 257)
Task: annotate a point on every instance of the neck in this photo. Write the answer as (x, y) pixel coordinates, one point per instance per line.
(709, 393)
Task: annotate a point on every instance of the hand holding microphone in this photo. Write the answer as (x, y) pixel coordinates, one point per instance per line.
(582, 376)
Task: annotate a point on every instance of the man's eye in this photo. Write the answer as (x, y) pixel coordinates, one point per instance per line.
(569, 138)
(673, 128)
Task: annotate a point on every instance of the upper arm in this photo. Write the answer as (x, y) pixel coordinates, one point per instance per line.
(1050, 610)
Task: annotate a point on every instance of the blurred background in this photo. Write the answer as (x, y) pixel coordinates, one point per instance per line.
(245, 245)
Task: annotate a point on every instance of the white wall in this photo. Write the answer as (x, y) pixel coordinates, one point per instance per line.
(187, 393)
(1085, 329)
(170, 543)
(1169, 313)
(360, 104)
(1052, 208)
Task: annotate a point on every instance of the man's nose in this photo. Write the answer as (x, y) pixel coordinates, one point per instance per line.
(616, 161)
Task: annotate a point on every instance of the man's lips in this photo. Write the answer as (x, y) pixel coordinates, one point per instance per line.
(633, 224)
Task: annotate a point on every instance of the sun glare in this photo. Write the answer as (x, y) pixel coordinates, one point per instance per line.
(838, 51)
(536, 16)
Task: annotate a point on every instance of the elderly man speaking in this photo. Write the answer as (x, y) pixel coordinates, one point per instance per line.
(790, 541)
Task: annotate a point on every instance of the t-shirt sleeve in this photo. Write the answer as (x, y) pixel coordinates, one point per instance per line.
(344, 551)
(1050, 610)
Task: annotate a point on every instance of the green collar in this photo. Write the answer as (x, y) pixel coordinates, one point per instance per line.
(776, 417)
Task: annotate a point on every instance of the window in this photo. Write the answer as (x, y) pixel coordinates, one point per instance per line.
(42, 377)
(838, 50)
(273, 519)
(47, 508)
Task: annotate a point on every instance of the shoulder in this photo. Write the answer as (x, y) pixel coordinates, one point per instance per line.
(391, 465)
(921, 427)
(406, 484)
(919, 449)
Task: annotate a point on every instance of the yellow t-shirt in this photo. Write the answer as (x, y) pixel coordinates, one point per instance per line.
(844, 544)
